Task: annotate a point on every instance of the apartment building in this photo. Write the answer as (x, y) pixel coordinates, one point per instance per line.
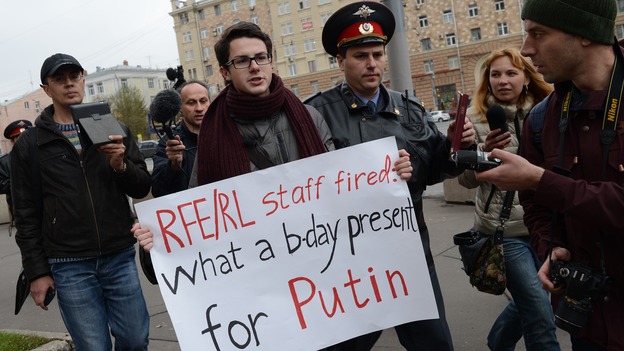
(27, 106)
(447, 41)
(105, 82)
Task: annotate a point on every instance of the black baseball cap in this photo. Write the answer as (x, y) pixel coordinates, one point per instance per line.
(54, 62)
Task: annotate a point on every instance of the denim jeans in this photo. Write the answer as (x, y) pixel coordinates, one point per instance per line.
(101, 293)
(530, 313)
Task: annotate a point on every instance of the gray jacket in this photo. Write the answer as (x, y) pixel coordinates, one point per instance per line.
(274, 139)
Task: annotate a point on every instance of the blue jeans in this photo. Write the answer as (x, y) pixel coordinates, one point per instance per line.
(101, 293)
(530, 313)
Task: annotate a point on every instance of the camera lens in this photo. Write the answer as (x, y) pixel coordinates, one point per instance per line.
(571, 315)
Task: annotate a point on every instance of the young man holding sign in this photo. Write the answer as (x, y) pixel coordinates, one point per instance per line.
(361, 109)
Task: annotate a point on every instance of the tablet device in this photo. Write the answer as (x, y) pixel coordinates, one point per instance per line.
(96, 123)
(462, 106)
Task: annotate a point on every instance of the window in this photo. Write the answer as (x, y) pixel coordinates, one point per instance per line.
(254, 19)
(426, 44)
(309, 45)
(292, 69)
(314, 86)
(217, 10)
(333, 62)
(619, 31)
(26, 105)
(453, 62)
(189, 55)
(206, 52)
(287, 28)
(502, 29)
(252, 4)
(324, 17)
(234, 5)
(323, 2)
(194, 75)
(201, 14)
(304, 4)
(499, 5)
(186, 37)
(423, 21)
(475, 34)
(283, 8)
(213, 90)
(295, 89)
(100, 88)
(451, 40)
(150, 83)
(37, 105)
(312, 66)
(420, 2)
(290, 49)
(306, 24)
(184, 18)
(620, 5)
(203, 33)
(209, 70)
(220, 29)
(124, 82)
(473, 10)
(428, 66)
(91, 89)
(166, 84)
(447, 16)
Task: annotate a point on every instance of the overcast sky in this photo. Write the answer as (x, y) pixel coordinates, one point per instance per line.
(96, 32)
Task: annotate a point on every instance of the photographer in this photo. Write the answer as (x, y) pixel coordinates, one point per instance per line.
(572, 181)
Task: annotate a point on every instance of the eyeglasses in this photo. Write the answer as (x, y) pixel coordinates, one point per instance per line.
(61, 79)
(242, 62)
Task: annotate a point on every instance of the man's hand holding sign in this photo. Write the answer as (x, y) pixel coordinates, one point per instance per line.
(294, 257)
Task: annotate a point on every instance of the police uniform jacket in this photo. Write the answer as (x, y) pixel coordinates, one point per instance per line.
(86, 212)
(397, 115)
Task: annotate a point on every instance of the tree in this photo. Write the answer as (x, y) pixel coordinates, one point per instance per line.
(128, 106)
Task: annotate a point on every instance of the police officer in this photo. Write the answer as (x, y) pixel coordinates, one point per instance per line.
(361, 109)
(11, 132)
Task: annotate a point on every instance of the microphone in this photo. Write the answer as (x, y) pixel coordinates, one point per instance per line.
(497, 119)
(164, 108)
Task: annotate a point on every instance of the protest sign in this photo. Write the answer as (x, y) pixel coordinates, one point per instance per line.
(294, 257)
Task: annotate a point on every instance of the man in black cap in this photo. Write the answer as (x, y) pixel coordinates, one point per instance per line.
(73, 218)
(571, 175)
(361, 109)
(11, 132)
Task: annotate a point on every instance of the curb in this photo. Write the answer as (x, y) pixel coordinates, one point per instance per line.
(61, 342)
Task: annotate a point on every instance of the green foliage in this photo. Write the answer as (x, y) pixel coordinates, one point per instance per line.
(128, 106)
(19, 342)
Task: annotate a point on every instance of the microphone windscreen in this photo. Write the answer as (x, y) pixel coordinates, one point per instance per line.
(172, 74)
(165, 106)
(497, 118)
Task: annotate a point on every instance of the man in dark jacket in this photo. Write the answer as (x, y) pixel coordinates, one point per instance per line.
(11, 132)
(73, 218)
(173, 162)
(574, 172)
(361, 109)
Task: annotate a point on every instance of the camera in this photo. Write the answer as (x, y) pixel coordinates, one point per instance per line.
(583, 287)
(476, 160)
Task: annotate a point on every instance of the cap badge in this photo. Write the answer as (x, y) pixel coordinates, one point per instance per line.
(365, 28)
(364, 11)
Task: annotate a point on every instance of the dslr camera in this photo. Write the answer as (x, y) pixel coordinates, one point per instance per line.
(583, 287)
(474, 159)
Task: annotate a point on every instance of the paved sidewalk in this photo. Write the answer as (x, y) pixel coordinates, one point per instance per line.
(469, 312)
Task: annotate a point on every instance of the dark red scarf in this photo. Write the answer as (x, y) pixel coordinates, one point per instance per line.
(220, 150)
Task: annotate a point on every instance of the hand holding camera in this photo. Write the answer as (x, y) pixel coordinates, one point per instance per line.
(475, 160)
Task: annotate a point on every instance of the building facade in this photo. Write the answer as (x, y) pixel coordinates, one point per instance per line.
(105, 82)
(27, 106)
(446, 39)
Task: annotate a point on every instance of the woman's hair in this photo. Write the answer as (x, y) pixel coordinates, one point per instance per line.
(538, 88)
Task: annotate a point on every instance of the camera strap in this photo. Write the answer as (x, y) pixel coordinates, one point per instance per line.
(608, 133)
